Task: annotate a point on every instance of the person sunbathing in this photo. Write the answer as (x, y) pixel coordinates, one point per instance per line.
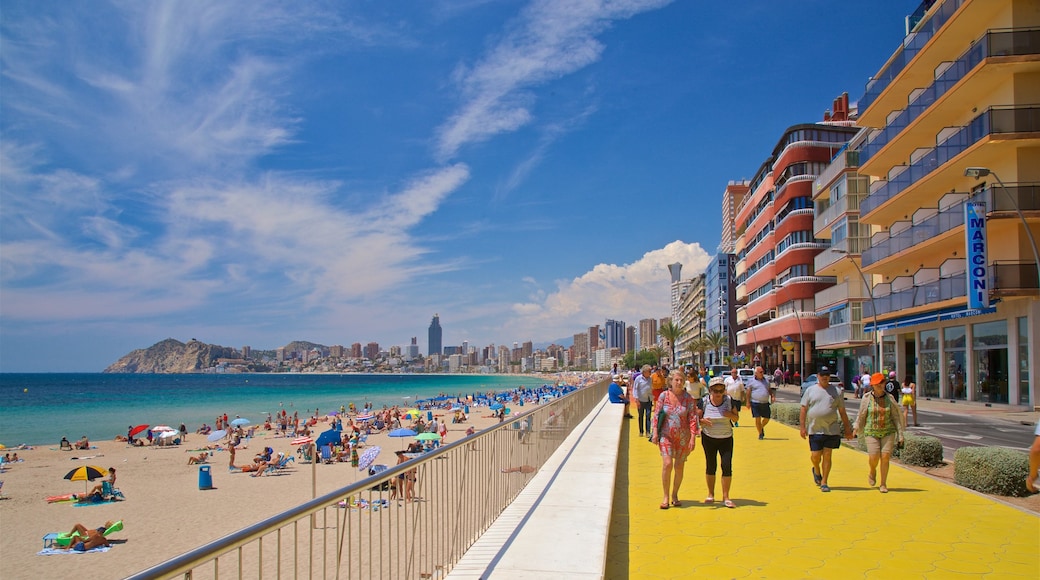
(83, 443)
(200, 458)
(85, 539)
(111, 479)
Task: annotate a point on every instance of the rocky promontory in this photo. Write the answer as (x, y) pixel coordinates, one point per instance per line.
(173, 356)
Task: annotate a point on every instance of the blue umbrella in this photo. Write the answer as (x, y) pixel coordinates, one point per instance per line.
(402, 433)
(329, 437)
(239, 422)
(496, 406)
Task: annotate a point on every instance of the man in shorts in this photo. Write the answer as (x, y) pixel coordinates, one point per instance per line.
(735, 390)
(821, 420)
(761, 396)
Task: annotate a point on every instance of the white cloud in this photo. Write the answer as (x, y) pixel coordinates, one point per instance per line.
(627, 292)
(548, 40)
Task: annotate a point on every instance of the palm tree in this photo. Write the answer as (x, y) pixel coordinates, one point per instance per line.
(717, 340)
(671, 333)
(697, 348)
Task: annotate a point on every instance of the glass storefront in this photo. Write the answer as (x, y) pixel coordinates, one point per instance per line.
(1023, 361)
(929, 364)
(956, 363)
(888, 354)
(989, 343)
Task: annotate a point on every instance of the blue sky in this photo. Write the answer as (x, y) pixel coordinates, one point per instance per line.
(251, 173)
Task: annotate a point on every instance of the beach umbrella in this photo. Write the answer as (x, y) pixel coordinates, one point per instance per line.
(86, 473)
(301, 441)
(159, 428)
(413, 413)
(216, 435)
(333, 413)
(138, 429)
(239, 422)
(402, 433)
(168, 434)
(495, 406)
(330, 437)
(368, 456)
(367, 417)
(428, 437)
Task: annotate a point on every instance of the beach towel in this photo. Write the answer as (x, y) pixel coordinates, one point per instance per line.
(102, 502)
(57, 551)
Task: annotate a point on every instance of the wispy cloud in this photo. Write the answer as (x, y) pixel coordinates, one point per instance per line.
(627, 292)
(549, 39)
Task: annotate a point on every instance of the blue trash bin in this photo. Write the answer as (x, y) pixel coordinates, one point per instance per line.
(205, 477)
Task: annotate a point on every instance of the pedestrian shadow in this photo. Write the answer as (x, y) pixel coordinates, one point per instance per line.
(891, 490)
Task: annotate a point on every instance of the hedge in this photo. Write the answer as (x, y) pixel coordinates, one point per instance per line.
(786, 413)
(993, 470)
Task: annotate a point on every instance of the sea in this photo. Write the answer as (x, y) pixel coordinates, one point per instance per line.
(41, 408)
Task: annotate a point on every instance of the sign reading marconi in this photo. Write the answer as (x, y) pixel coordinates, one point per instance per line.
(975, 242)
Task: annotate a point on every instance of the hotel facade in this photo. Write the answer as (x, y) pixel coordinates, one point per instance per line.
(951, 148)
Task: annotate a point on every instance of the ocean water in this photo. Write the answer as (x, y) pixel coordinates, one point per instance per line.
(40, 409)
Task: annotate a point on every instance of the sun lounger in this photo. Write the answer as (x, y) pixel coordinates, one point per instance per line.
(280, 464)
(326, 454)
(63, 539)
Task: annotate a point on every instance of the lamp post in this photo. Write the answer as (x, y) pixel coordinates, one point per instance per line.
(873, 305)
(801, 346)
(979, 173)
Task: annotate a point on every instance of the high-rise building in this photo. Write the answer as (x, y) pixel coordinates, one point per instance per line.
(355, 350)
(776, 281)
(594, 339)
(372, 350)
(718, 304)
(630, 339)
(435, 345)
(691, 321)
(413, 349)
(953, 206)
(647, 333)
(247, 352)
(677, 288)
(615, 334)
(731, 200)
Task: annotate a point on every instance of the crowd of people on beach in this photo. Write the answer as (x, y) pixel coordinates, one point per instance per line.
(676, 407)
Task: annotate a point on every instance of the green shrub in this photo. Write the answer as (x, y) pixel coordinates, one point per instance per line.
(786, 413)
(922, 450)
(993, 470)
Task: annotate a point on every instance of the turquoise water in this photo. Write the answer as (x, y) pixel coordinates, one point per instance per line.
(40, 409)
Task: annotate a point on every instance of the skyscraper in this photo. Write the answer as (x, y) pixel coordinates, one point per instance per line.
(615, 334)
(435, 335)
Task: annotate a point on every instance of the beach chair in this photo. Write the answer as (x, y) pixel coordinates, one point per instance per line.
(65, 445)
(280, 464)
(1, 490)
(326, 454)
(109, 492)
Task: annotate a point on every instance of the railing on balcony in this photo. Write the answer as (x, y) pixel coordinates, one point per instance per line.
(843, 292)
(993, 43)
(839, 250)
(1026, 196)
(362, 531)
(1014, 277)
(841, 334)
(842, 161)
(996, 120)
(835, 210)
(954, 286)
(912, 45)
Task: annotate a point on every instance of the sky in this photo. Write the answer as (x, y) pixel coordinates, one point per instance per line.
(253, 173)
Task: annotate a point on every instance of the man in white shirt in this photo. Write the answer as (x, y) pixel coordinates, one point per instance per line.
(735, 390)
(761, 396)
(642, 391)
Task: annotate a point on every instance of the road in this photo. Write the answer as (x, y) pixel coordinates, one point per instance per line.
(954, 429)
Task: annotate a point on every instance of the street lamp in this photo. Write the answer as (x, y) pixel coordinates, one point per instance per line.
(801, 345)
(873, 305)
(979, 173)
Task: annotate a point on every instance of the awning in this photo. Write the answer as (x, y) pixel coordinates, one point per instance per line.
(926, 317)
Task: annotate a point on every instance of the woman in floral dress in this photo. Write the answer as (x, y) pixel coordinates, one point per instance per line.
(675, 431)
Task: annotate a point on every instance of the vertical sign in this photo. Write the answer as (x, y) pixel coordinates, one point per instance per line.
(978, 266)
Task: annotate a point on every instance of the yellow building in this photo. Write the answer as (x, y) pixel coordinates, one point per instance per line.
(952, 119)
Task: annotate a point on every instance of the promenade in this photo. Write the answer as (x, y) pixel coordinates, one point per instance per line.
(783, 526)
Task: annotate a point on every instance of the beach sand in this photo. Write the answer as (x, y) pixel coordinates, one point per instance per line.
(165, 513)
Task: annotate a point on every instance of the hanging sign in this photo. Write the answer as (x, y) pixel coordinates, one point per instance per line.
(975, 244)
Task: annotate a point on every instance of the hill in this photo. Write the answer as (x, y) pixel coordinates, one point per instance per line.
(172, 356)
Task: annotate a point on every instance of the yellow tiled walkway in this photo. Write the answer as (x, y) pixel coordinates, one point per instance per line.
(785, 527)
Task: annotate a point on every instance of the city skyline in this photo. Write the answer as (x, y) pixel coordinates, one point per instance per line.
(246, 173)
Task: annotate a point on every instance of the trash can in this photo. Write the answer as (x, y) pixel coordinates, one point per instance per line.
(205, 477)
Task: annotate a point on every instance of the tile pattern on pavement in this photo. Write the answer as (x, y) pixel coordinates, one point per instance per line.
(783, 526)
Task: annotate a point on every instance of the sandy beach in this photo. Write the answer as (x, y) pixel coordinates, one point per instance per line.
(164, 513)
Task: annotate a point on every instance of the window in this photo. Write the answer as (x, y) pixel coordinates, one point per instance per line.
(989, 343)
(1023, 361)
(929, 368)
(956, 364)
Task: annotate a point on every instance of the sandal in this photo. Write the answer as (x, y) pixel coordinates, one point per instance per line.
(664, 506)
(729, 504)
(709, 499)
(676, 503)
(825, 488)
(884, 489)
(872, 480)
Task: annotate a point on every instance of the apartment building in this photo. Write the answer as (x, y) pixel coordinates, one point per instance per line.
(776, 281)
(952, 151)
(691, 318)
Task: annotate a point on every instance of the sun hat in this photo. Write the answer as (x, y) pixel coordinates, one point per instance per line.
(877, 378)
(716, 381)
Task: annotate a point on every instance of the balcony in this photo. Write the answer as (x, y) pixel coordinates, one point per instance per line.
(993, 121)
(1027, 196)
(841, 335)
(1014, 279)
(912, 44)
(839, 293)
(837, 251)
(845, 159)
(993, 43)
(948, 288)
(835, 210)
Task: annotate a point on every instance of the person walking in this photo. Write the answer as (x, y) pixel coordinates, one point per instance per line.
(717, 420)
(892, 387)
(641, 390)
(674, 431)
(909, 399)
(881, 423)
(761, 396)
(821, 420)
(735, 390)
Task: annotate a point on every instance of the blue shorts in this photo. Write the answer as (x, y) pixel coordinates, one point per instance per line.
(819, 442)
(80, 547)
(760, 410)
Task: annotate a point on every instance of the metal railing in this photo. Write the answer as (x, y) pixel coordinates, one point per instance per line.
(413, 520)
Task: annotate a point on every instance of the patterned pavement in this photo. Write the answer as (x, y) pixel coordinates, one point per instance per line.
(783, 526)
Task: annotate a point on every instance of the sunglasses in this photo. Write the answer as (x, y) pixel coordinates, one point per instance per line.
(718, 391)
